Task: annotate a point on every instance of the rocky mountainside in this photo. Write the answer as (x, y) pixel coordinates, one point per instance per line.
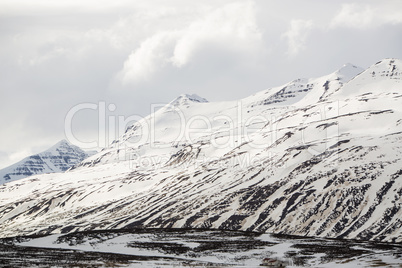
(315, 157)
(58, 158)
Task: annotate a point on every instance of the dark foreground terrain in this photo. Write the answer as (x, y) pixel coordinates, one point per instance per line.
(191, 248)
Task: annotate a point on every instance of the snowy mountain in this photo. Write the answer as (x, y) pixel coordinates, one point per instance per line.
(315, 157)
(186, 99)
(58, 158)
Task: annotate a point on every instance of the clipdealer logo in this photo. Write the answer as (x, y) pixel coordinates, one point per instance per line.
(219, 131)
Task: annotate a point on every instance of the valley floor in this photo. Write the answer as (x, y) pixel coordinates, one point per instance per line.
(191, 248)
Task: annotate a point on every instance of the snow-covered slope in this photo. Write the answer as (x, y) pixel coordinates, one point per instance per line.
(58, 158)
(315, 157)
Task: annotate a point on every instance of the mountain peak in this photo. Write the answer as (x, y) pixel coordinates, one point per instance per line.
(58, 158)
(348, 71)
(186, 99)
(62, 144)
(385, 75)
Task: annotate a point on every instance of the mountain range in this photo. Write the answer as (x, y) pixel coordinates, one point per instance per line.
(314, 157)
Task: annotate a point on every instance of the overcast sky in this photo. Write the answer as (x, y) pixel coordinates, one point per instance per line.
(55, 55)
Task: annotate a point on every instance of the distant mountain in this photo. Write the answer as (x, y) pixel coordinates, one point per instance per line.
(315, 157)
(58, 158)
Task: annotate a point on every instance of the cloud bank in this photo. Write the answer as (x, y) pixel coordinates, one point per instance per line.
(232, 27)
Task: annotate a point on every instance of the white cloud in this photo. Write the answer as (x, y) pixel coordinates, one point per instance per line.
(162, 35)
(296, 35)
(367, 16)
(151, 55)
(232, 26)
(353, 15)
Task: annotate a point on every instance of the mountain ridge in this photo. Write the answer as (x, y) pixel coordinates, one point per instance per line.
(304, 165)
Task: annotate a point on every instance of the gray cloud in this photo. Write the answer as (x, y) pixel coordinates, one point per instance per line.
(56, 56)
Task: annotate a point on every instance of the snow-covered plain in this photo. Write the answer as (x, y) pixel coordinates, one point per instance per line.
(315, 157)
